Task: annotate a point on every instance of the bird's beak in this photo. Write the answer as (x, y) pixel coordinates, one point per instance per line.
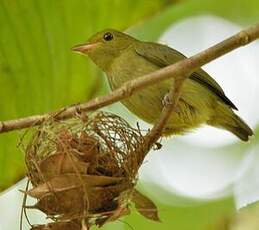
(84, 48)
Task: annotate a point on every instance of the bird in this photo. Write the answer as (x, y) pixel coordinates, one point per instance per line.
(202, 100)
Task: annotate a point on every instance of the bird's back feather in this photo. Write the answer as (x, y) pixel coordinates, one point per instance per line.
(162, 56)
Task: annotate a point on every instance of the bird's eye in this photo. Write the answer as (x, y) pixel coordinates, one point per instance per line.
(108, 36)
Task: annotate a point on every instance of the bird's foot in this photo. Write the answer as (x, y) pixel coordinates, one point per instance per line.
(79, 113)
(167, 101)
(157, 146)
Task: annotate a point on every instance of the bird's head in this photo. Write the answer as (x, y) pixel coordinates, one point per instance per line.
(103, 47)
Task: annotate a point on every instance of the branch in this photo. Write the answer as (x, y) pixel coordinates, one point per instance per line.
(173, 98)
(182, 68)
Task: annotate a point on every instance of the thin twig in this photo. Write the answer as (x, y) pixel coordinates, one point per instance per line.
(173, 98)
(182, 68)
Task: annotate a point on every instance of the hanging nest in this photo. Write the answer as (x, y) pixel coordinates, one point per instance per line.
(83, 171)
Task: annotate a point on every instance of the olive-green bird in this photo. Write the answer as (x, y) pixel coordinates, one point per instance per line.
(124, 58)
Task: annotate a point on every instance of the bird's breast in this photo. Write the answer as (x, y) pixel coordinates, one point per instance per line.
(146, 103)
(129, 65)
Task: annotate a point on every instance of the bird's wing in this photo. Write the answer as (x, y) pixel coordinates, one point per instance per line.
(162, 56)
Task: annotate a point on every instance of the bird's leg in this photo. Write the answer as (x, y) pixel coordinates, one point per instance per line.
(80, 114)
(167, 101)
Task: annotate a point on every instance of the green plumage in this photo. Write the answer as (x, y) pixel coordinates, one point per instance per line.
(124, 58)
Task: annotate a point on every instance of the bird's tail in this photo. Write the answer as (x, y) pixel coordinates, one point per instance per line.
(225, 118)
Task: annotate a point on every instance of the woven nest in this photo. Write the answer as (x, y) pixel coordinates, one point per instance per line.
(83, 171)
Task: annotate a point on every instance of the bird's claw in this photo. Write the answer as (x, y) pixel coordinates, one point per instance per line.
(80, 114)
(166, 101)
(157, 146)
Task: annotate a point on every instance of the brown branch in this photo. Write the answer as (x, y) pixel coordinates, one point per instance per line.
(182, 68)
(172, 100)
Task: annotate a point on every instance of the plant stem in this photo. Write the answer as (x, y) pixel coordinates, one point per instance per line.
(176, 71)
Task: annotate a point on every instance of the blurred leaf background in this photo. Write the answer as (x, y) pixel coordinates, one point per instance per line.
(39, 73)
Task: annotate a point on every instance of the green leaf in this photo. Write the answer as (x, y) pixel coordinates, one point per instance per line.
(238, 11)
(38, 71)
